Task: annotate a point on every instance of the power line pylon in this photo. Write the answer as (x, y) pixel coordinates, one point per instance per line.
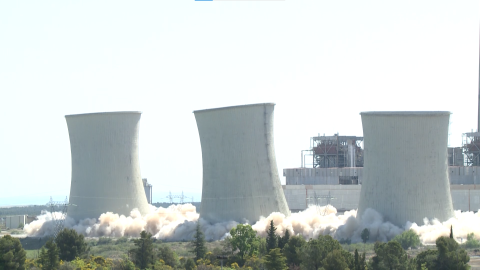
(59, 212)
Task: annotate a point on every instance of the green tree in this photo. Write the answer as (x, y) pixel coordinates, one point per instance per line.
(471, 241)
(389, 255)
(451, 231)
(190, 264)
(292, 250)
(408, 239)
(335, 261)
(254, 263)
(450, 256)
(365, 235)
(271, 237)
(426, 259)
(168, 256)
(143, 251)
(275, 260)
(12, 254)
(198, 244)
(70, 244)
(126, 264)
(282, 241)
(311, 255)
(244, 239)
(359, 261)
(49, 257)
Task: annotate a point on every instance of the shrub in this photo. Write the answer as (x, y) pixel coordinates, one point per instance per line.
(408, 239)
(471, 241)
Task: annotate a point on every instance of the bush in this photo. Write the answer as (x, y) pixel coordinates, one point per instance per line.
(408, 239)
(471, 241)
(104, 241)
(121, 240)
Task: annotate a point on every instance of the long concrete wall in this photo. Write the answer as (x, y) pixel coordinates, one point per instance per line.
(105, 164)
(346, 197)
(405, 166)
(240, 176)
(457, 175)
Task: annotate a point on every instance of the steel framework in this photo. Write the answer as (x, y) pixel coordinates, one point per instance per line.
(335, 151)
(59, 212)
(317, 201)
(471, 148)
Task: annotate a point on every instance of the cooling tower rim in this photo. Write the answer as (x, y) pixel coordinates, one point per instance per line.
(103, 113)
(406, 113)
(233, 107)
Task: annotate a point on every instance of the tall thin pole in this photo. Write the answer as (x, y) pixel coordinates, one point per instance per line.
(478, 108)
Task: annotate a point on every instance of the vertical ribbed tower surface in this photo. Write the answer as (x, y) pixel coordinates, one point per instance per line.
(240, 175)
(405, 166)
(105, 165)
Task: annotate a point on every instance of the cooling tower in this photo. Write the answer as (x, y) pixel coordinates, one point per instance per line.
(105, 166)
(240, 175)
(405, 166)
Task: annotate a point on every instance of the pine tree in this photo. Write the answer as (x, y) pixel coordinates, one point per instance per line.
(357, 260)
(271, 237)
(275, 260)
(282, 241)
(143, 251)
(198, 244)
(49, 257)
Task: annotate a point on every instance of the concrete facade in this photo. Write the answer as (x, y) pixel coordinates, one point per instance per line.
(105, 164)
(13, 222)
(457, 175)
(240, 175)
(323, 176)
(347, 197)
(405, 166)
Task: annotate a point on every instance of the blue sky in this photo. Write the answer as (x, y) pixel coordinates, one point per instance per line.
(321, 62)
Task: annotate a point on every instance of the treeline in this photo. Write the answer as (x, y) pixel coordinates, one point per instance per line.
(242, 250)
(31, 210)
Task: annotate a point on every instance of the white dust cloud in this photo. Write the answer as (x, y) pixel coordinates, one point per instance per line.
(178, 223)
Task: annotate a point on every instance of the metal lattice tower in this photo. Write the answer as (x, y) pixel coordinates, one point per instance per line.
(316, 199)
(170, 197)
(59, 212)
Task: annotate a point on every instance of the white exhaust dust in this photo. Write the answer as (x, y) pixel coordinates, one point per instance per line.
(178, 222)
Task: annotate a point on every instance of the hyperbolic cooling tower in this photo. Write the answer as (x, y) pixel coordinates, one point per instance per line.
(105, 166)
(405, 166)
(240, 175)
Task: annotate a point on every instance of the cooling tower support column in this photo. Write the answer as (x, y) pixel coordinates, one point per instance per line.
(405, 166)
(240, 175)
(105, 165)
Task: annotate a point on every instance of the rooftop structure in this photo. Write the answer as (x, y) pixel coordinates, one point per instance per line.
(334, 151)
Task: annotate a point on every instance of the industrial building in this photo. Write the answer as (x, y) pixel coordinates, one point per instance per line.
(340, 186)
(148, 190)
(105, 164)
(240, 175)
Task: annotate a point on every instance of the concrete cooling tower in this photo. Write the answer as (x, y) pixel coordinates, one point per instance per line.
(405, 166)
(105, 166)
(240, 175)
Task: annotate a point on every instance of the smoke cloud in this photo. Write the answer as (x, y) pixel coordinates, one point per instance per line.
(178, 223)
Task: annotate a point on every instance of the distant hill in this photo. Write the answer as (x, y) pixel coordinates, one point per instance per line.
(31, 210)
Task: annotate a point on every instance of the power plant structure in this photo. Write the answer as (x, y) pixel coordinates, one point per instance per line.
(105, 164)
(240, 175)
(405, 166)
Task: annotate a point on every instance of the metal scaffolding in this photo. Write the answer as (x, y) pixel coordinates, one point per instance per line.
(335, 151)
(471, 148)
